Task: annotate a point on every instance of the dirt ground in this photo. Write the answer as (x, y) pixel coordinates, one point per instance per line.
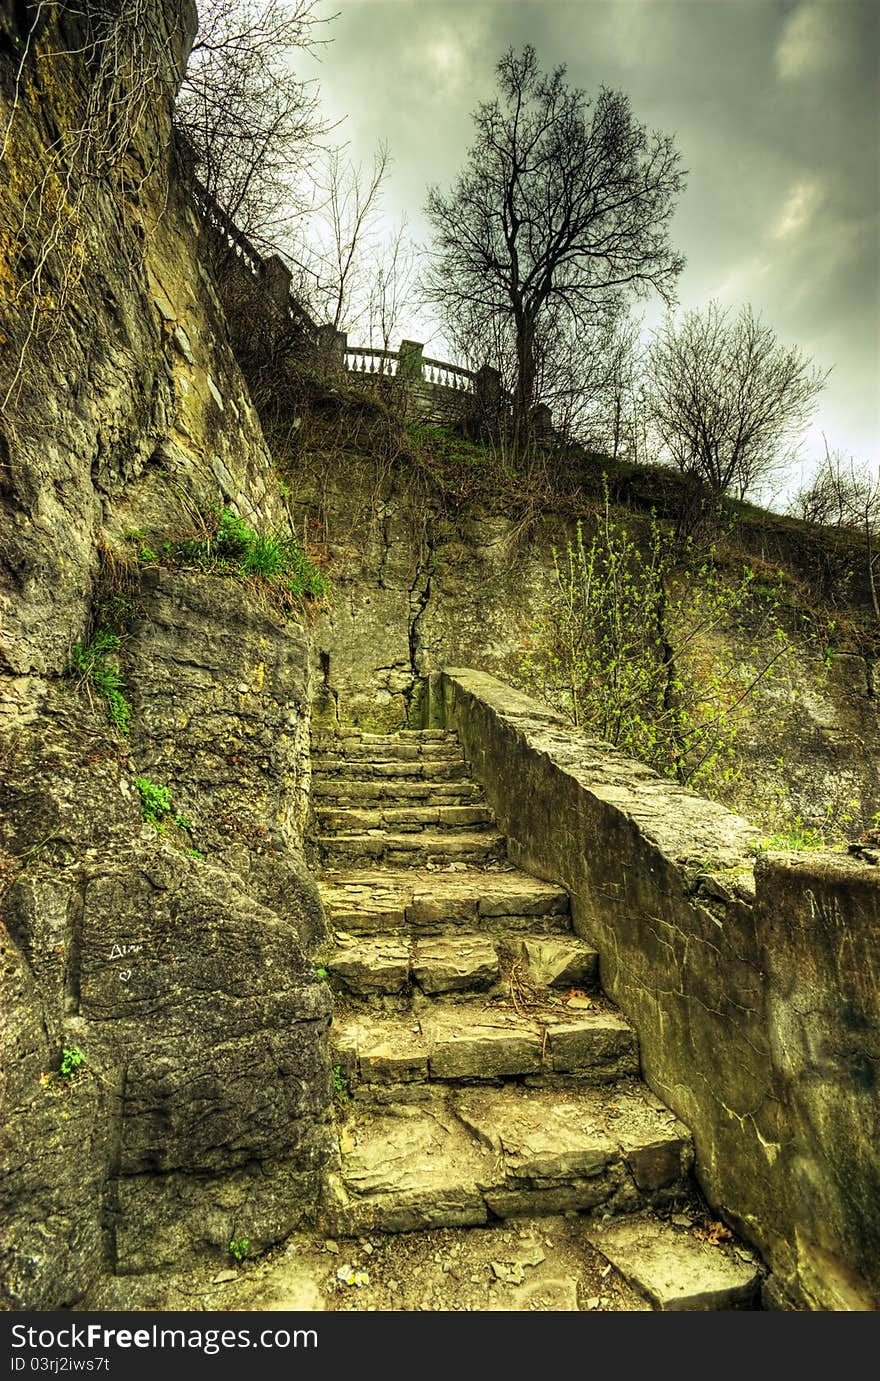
(534, 1264)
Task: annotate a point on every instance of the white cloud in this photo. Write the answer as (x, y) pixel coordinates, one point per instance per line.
(815, 40)
(798, 210)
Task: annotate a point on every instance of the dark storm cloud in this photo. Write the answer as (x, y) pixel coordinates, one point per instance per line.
(773, 106)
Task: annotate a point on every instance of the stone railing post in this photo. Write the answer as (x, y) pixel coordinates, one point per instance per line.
(542, 422)
(487, 389)
(410, 367)
(277, 279)
(331, 346)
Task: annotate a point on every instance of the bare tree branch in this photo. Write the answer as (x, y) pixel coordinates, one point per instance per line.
(726, 399)
(254, 127)
(563, 208)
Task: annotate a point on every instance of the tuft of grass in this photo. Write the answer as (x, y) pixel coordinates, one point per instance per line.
(91, 663)
(794, 837)
(274, 559)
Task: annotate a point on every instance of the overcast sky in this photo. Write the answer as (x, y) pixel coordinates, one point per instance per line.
(773, 105)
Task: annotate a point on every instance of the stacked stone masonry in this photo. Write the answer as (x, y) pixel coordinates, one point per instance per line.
(752, 982)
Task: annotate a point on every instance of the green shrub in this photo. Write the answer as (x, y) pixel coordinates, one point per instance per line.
(626, 645)
(156, 805)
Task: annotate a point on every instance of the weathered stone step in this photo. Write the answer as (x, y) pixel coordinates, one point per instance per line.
(412, 850)
(462, 962)
(474, 1038)
(675, 1269)
(349, 734)
(347, 819)
(508, 1152)
(395, 791)
(421, 769)
(392, 750)
(420, 902)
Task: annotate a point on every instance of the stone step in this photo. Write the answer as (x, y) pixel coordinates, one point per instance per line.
(675, 1269)
(466, 961)
(505, 1152)
(357, 751)
(349, 819)
(396, 792)
(420, 769)
(424, 902)
(348, 734)
(476, 1039)
(414, 850)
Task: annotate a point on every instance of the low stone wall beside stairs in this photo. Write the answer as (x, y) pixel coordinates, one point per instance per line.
(752, 986)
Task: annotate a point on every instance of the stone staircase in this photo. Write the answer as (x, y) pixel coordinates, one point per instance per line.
(481, 1073)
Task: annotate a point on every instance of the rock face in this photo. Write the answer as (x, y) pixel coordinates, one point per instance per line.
(164, 1036)
(752, 987)
(422, 588)
(123, 407)
(220, 698)
(199, 1114)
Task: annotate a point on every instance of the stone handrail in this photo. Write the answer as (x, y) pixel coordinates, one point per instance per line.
(270, 270)
(449, 375)
(366, 359)
(406, 364)
(752, 981)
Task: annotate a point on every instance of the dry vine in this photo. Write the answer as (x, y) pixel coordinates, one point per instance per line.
(125, 55)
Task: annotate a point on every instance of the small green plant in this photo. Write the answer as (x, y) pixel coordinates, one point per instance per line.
(155, 800)
(238, 1248)
(72, 1061)
(796, 836)
(156, 806)
(340, 1082)
(90, 662)
(146, 555)
(321, 972)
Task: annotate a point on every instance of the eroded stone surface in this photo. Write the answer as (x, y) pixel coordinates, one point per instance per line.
(554, 962)
(674, 1269)
(408, 1169)
(380, 965)
(368, 901)
(444, 964)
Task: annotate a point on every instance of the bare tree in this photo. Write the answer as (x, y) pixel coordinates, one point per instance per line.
(590, 381)
(340, 237)
(252, 125)
(360, 275)
(847, 495)
(562, 209)
(392, 290)
(726, 399)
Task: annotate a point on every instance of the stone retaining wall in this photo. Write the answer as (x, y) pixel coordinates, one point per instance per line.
(753, 985)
